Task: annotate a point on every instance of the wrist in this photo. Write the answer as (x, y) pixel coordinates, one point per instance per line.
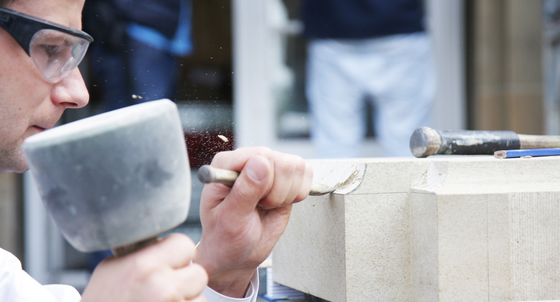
(231, 282)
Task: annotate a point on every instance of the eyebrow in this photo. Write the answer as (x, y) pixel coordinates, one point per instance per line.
(59, 37)
(54, 34)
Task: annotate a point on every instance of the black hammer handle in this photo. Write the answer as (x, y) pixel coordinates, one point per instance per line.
(426, 141)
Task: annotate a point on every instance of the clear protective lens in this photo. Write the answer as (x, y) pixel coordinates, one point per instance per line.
(57, 53)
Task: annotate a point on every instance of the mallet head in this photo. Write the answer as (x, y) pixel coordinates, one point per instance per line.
(115, 178)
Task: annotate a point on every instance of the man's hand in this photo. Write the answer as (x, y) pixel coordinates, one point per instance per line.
(160, 272)
(242, 224)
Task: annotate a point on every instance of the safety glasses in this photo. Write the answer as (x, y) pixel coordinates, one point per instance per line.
(55, 49)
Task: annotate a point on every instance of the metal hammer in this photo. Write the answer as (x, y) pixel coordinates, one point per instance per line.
(426, 141)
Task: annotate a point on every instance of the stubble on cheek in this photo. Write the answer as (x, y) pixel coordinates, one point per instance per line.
(12, 159)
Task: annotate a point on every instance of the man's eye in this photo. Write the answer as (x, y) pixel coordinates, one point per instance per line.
(51, 50)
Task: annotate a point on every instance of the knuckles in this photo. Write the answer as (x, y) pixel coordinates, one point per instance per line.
(198, 276)
(167, 284)
(182, 242)
(264, 151)
(145, 263)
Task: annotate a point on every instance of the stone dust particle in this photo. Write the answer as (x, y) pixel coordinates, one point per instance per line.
(225, 139)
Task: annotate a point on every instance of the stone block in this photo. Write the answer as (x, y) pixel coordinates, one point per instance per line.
(445, 228)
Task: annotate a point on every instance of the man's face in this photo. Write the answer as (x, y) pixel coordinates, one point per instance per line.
(29, 103)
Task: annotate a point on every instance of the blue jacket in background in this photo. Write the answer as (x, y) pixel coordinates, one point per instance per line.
(161, 15)
(357, 19)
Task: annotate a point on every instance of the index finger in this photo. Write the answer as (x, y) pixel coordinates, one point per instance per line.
(235, 160)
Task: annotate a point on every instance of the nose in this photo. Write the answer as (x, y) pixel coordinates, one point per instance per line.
(71, 92)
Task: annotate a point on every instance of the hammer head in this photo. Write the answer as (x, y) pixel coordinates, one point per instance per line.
(115, 178)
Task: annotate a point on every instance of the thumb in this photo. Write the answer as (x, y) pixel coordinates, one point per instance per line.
(253, 183)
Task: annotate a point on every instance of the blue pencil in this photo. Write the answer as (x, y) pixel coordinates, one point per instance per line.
(527, 152)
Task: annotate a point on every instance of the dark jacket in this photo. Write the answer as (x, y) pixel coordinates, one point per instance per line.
(161, 15)
(106, 20)
(355, 19)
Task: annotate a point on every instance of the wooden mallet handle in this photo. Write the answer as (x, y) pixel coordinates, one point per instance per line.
(122, 251)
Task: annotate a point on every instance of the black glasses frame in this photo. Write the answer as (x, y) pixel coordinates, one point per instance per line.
(23, 27)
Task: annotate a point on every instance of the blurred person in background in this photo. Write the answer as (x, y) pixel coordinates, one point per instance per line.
(359, 50)
(136, 57)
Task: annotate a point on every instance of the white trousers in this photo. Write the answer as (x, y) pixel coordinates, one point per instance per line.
(395, 72)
